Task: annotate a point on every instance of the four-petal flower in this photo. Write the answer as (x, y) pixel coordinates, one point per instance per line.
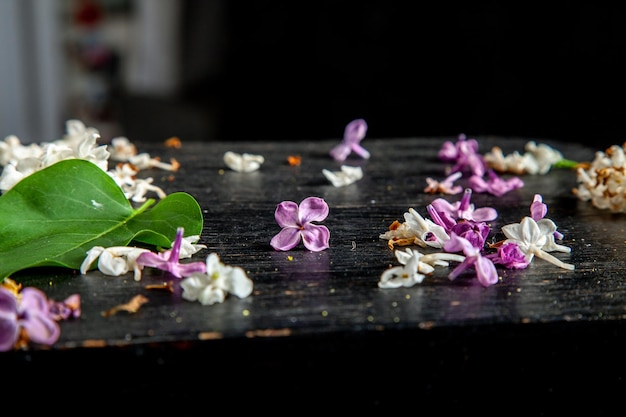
(297, 224)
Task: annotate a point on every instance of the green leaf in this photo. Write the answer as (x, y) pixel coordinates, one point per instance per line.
(55, 215)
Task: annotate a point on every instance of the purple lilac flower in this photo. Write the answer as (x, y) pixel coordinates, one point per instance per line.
(539, 210)
(494, 184)
(296, 223)
(442, 219)
(352, 136)
(26, 315)
(68, 308)
(169, 260)
(484, 267)
(475, 232)
(464, 154)
(509, 255)
(463, 210)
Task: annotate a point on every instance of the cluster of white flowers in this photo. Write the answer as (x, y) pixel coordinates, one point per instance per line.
(415, 230)
(80, 142)
(603, 181)
(538, 159)
(414, 267)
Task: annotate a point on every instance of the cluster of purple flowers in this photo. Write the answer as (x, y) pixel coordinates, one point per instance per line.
(466, 159)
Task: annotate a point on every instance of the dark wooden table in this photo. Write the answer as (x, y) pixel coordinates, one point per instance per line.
(317, 332)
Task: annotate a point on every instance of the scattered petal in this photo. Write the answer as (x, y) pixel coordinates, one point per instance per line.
(346, 176)
(243, 162)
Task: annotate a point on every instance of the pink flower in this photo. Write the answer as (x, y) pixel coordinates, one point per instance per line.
(464, 154)
(463, 210)
(28, 313)
(484, 267)
(494, 184)
(352, 136)
(296, 222)
(509, 255)
(168, 260)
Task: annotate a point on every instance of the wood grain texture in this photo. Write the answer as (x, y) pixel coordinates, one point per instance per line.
(322, 314)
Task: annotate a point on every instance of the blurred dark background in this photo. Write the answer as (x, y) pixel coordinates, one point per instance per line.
(278, 70)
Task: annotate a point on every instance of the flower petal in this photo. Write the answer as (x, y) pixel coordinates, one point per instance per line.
(38, 323)
(193, 286)
(287, 238)
(238, 283)
(9, 329)
(315, 237)
(286, 214)
(485, 271)
(312, 209)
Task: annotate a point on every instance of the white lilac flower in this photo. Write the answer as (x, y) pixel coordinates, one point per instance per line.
(122, 149)
(9, 177)
(346, 176)
(114, 261)
(544, 155)
(534, 239)
(603, 181)
(218, 281)
(427, 262)
(538, 159)
(415, 266)
(405, 275)
(89, 150)
(141, 187)
(145, 161)
(189, 246)
(416, 230)
(244, 162)
(12, 150)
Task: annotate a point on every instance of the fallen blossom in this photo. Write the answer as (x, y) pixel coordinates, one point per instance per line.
(296, 222)
(353, 135)
(483, 266)
(169, 260)
(219, 280)
(244, 162)
(444, 187)
(346, 176)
